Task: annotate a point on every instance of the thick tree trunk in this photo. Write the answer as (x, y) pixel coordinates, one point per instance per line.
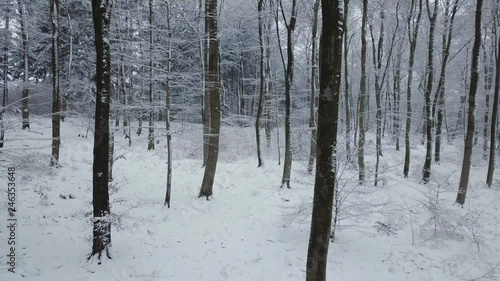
(213, 86)
(413, 27)
(464, 176)
(312, 97)
(56, 95)
(328, 105)
(362, 97)
(426, 170)
(494, 118)
(101, 13)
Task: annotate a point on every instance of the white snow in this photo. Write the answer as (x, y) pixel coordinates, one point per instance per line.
(250, 229)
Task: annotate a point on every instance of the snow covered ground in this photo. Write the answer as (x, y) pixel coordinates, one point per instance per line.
(251, 229)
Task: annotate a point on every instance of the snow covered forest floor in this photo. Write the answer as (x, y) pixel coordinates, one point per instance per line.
(251, 229)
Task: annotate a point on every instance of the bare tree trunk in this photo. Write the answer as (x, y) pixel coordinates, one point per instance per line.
(312, 99)
(111, 146)
(489, 61)
(397, 96)
(290, 27)
(494, 117)
(328, 110)
(378, 58)
(362, 97)
(347, 94)
(25, 95)
(213, 87)
(101, 13)
(387, 107)
(151, 133)
(5, 67)
(262, 94)
(440, 91)
(167, 110)
(464, 176)
(413, 27)
(202, 48)
(56, 95)
(268, 98)
(426, 171)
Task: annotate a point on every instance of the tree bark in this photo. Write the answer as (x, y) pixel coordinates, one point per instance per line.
(426, 170)
(464, 176)
(101, 13)
(489, 61)
(440, 91)
(397, 97)
(206, 94)
(268, 97)
(362, 97)
(25, 96)
(494, 118)
(378, 58)
(151, 131)
(347, 102)
(56, 95)
(5, 68)
(312, 99)
(413, 27)
(290, 27)
(213, 86)
(167, 111)
(324, 191)
(260, 8)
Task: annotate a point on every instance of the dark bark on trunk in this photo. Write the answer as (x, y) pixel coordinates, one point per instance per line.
(56, 95)
(426, 171)
(397, 97)
(111, 146)
(378, 58)
(362, 97)
(464, 176)
(494, 118)
(441, 88)
(347, 102)
(413, 27)
(290, 27)
(312, 99)
(328, 107)
(151, 131)
(489, 62)
(262, 94)
(5, 85)
(213, 86)
(101, 13)
(268, 97)
(25, 96)
(206, 94)
(167, 111)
